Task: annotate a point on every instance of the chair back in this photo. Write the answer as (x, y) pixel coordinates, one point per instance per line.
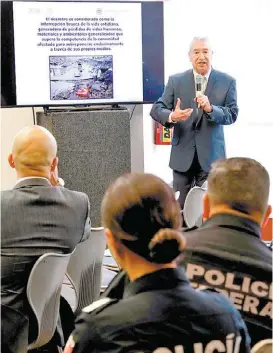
(264, 346)
(84, 270)
(193, 207)
(43, 293)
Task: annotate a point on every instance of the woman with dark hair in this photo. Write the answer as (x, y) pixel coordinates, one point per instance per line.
(159, 311)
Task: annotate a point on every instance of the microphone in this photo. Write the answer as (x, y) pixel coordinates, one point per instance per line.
(198, 85)
(198, 88)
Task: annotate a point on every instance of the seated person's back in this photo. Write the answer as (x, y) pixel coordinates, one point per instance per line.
(226, 252)
(159, 311)
(37, 215)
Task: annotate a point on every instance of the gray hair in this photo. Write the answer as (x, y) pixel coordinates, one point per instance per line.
(204, 39)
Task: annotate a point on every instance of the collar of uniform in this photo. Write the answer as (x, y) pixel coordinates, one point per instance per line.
(166, 278)
(31, 181)
(232, 221)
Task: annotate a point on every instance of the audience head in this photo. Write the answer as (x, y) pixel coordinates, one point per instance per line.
(239, 186)
(34, 153)
(200, 55)
(142, 222)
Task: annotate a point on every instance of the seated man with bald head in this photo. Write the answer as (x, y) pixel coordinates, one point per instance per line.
(227, 252)
(38, 216)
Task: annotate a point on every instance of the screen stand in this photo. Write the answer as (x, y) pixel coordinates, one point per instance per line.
(46, 109)
(116, 107)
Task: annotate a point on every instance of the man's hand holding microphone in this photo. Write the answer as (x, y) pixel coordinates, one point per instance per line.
(203, 103)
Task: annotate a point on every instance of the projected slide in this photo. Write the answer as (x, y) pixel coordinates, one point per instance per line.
(77, 52)
(81, 77)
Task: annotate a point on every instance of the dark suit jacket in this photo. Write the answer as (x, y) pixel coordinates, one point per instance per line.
(37, 218)
(227, 253)
(202, 132)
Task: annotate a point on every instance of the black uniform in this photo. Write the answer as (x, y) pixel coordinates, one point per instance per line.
(161, 310)
(227, 253)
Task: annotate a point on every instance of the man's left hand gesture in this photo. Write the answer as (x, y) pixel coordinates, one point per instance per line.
(203, 102)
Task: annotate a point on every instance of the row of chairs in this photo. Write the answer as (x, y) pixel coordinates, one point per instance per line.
(83, 268)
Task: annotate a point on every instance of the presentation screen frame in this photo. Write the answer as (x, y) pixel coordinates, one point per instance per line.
(152, 41)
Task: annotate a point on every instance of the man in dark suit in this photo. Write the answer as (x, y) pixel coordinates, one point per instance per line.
(38, 216)
(197, 103)
(227, 252)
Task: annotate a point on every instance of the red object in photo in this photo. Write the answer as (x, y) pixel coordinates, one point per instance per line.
(83, 92)
(163, 135)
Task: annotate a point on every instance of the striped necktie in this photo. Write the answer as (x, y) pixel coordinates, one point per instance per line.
(204, 84)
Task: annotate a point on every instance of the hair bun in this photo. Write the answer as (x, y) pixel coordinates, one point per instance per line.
(166, 245)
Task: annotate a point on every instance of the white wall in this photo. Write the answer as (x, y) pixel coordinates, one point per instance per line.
(156, 157)
(241, 35)
(12, 121)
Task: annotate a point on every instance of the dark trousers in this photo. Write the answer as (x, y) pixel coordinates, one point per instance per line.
(184, 181)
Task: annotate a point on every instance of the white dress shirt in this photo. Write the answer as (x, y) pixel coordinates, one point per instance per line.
(204, 82)
(26, 178)
(204, 85)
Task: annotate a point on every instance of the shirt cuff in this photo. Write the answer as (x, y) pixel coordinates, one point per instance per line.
(170, 119)
(211, 110)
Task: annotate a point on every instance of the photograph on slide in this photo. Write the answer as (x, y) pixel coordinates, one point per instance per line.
(81, 77)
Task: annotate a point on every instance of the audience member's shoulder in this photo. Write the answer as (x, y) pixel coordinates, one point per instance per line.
(6, 195)
(100, 313)
(180, 75)
(98, 306)
(224, 76)
(74, 193)
(217, 300)
(87, 323)
(192, 234)
(222, 302)
(116, 312)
